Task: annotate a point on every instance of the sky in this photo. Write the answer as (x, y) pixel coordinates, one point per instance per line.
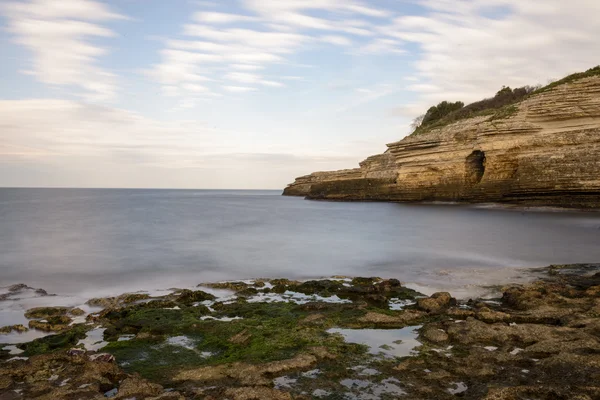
(250, 94)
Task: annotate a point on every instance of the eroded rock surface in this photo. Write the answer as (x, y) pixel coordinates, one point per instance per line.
(547, 153)
(537, 341)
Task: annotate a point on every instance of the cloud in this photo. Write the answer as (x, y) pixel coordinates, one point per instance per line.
(243, 77)
(470, 48)
(336, 40)
(239, 89)
(220, 18)
(262, 33)
(271, 83)
(246, 67)
(247, 78)
(383, 46)
(51, 142)
(58, 34)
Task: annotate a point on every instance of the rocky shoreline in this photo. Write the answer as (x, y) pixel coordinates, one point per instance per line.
(336, 338)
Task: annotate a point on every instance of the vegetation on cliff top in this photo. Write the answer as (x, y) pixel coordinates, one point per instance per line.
(501, 106)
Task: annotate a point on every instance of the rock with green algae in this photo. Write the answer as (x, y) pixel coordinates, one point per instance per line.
(62, 340)
(83, 375)
(189, 297)
(109, 302)
(46, 312)
(13, 328)
(511, 348)
(51, 324)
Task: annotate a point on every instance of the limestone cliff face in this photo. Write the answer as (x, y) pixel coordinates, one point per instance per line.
(547, 153)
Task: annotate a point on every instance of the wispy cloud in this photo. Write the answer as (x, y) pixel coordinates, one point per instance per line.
(58, 34)
(233, 46)
(468, 49)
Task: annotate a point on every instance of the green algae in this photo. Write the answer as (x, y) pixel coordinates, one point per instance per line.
(51, 343)
(267, 332)
(188, 297)
(46, 312)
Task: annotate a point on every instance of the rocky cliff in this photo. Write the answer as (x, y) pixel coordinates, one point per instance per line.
(544, 152)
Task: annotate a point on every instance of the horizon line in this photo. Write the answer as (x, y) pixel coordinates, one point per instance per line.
(126, 188)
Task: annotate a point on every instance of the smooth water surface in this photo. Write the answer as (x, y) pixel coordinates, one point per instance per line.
(72, 241)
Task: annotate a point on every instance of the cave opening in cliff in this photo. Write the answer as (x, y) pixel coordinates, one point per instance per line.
(475, 167)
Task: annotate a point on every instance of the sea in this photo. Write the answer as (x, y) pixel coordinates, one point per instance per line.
(97, 242)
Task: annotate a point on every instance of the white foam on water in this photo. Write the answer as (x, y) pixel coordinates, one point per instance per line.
(223, 319)
(182, 341)
(13, 350)
(295, 297)
(17, 359)
(284, 382)
(312, 374)
(398, 304)
(460, 388)
(320, 393)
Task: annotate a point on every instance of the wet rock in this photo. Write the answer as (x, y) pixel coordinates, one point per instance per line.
(256, 393)
(76, 312)
(113, 302)
(19, 287)
(235, 286)
(137, 387)
(490, 316)
(46, 312)
(284, 282)
(537, 392)
(5, 382)
(320, 287)
(523, 298)
(14, 328)
(459, 313)
(51, 324)
(188, 297)
(583, 345)
(247, 374)
(63, 340)
(435, 335)
(365, 281)
(436, 303)
(399, 320)
(248, 292)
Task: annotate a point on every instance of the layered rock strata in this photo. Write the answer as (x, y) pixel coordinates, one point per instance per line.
(547, 153)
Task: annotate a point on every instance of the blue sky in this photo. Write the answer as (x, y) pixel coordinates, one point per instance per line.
(252, 93)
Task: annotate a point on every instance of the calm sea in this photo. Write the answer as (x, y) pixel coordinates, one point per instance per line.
(99, 241)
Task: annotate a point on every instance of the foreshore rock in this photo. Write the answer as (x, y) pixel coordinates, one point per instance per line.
(545, 154)
(540, 341)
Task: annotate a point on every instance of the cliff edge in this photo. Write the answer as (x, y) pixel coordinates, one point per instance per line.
(541, 151)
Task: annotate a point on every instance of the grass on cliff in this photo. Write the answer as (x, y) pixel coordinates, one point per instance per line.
(571, 78)
(503, 105)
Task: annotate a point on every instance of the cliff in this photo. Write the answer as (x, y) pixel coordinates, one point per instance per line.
(542, 151)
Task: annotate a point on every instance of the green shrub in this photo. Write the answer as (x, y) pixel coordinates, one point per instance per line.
(438, 112)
